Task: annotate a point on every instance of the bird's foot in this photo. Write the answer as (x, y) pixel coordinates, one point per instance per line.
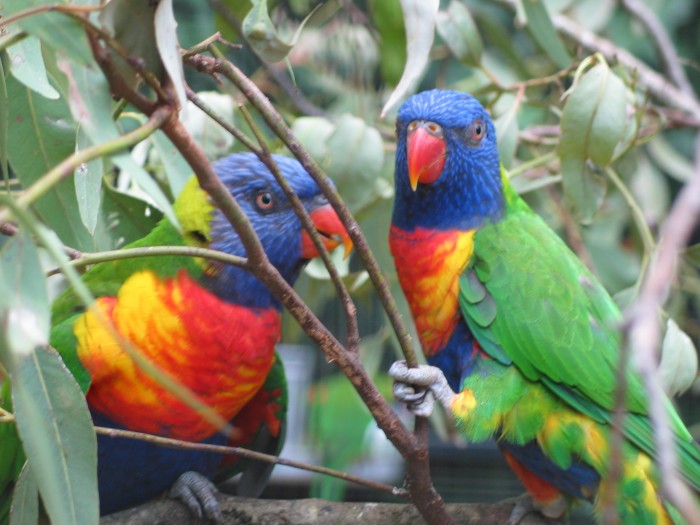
(419, 387)
(552, 512)
(198, 494)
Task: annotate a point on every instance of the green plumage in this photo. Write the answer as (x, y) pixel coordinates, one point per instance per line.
(530, 302)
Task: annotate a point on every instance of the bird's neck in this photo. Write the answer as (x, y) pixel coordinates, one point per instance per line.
(428, 264)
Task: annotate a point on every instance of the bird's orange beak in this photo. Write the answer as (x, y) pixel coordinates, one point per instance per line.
(426, 150)
(332, 232)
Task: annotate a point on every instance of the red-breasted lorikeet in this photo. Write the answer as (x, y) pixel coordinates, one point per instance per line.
(522, 340)
(211, 326)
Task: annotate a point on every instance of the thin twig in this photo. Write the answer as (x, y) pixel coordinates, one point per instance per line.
(297, 98)
(70, 164)
(86, 259)
(249, 454)
(664, 45)
(263, 153)
(644, 331)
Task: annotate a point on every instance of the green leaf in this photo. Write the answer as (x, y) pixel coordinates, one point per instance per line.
(56, 30)
(88, 185)
(43, 135)
(4, 124)
(678, 368)
(543, 32)
(177, 170)
(131, 22)
(262, 35)
(211, 137)
(169, 47)
(419, 19)
(355, 159)
(25, 499)
(458, 30)
(56, 430)
(507, 135)
(670, 160)
(132, 218)
(50, 410)
(592, 124)
(27, 66)
(91, 106)
(387, 20)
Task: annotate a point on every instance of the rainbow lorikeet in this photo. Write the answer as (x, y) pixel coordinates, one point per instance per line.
(521, 338)
(211, 326)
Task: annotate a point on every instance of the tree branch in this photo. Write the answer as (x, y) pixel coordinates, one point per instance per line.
(308, 511)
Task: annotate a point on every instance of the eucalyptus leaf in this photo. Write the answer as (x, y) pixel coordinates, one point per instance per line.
(27, 66)
(261, 34)
(169, 48)
(56, 430)
(177, 170)
(419, 19)
(88, 184)
(670, 159)
(592, 123)
(543, 32)
(25, 499)
(211, 137)
(387, 20)
(56, 30)
(507, 135)
(458, 30)
(678, 368)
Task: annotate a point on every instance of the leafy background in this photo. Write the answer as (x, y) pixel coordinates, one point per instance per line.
(598, 158)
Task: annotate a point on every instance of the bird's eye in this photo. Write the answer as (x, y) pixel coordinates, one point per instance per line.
(412, 125)
(478, 130)
(264, 200)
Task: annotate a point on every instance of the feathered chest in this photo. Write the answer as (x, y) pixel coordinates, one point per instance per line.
(220, 351)
(429, 263)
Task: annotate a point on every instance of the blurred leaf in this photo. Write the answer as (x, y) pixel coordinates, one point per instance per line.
(212, 138)
(262, 35)
(592, 123)
(313, 133)
(25, 499)
(388, 21)
(129, 218)
(459, 32)
(169, 48)
(670, 160)
(594, 15)
(507, 135)
(50, 410)
(693, 253)
(91, 106)
(131, 22)
(543, 32)
(650, 189)
(27, 66)
(679, 360)
(58, 31)
(177, 170)
(419, 20)
(88, 183)
(355, 159)
(4, 125)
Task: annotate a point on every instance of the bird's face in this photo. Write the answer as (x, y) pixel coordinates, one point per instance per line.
(447, 165)
(287, 245)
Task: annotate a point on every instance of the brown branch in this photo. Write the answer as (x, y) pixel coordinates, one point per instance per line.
(644, 331)
(10, 229)
(248, 454)
(667, 53)
(316, 511)
(413, 447)
(658, 85)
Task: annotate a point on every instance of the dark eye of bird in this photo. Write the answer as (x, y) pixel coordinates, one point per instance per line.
(478, 130)
(264, 200)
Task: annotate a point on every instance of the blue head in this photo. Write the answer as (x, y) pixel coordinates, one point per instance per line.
(286, 243)
(447, 173)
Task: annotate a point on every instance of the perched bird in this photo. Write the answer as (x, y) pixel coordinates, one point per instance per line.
(211, 326)
(521, 339)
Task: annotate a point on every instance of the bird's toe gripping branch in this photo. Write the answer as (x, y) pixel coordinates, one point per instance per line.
(419, 387)
(198, 494)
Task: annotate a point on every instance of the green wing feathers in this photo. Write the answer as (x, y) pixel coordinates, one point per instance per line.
(530, 301)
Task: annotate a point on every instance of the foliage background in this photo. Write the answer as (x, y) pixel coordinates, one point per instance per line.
(345, 63)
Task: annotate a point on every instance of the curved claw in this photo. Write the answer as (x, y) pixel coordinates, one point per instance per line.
(198, 494)
(419, 387)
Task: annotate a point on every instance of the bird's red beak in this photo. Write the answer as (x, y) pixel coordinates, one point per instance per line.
(332, 232)
(426, 150)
